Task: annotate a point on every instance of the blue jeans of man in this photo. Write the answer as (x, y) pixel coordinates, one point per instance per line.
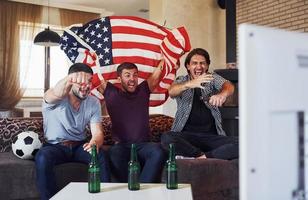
(191, 144)
(51, 155)
(150, 155)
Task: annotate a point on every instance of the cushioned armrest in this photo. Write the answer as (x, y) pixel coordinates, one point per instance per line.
(209, 176)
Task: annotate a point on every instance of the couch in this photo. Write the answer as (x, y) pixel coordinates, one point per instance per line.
(211, 179)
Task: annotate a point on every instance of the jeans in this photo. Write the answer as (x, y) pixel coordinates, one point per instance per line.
(191, 144)
(150, 155)
(54, 154)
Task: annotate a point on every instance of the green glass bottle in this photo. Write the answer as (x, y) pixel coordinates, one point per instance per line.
(172, 175)
(133, 170)
(94, 182)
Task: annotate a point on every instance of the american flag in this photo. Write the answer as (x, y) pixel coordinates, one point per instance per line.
(106, 42)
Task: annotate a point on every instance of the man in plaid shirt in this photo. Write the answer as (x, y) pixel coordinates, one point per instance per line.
(197, 130)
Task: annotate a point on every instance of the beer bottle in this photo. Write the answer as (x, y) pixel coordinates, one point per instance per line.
(94, 183)
(133, 170)
(172, 179)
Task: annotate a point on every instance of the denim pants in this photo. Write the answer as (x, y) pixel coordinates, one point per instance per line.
(51, 155)
(150, 155)
(192, 144)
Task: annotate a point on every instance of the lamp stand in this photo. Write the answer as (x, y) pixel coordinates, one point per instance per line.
(47, 69)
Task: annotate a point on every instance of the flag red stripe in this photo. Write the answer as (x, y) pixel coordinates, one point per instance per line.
(134, 59)
(108, 76)
(134, 45)
(172, 40)
(168, 51)
(186, 37)
(156, 102)
(136, 31)
(143, 75)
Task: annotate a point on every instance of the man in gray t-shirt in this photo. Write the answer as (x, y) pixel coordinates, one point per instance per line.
(67, 110)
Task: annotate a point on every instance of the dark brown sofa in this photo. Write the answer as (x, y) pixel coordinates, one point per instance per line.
(211, 179)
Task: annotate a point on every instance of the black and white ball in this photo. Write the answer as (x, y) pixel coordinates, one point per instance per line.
(26, 144)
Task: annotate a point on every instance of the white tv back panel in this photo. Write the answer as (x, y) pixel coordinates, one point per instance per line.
(273, 102)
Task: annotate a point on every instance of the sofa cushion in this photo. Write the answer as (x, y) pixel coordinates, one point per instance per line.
(159, 124)
(18, 177)
(11, 127)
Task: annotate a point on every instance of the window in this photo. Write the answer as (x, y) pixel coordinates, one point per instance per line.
(32, 64)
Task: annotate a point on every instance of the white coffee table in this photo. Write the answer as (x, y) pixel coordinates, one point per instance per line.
(119, 191)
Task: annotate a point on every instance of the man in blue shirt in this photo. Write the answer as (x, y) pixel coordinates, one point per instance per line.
(67, 110)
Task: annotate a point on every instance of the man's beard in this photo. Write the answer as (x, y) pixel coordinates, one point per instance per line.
(126, 89)
(79, 97)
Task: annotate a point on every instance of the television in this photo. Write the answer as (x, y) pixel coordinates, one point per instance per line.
(273, 105)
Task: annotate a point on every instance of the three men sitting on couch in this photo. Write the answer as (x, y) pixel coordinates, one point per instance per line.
(196, 132)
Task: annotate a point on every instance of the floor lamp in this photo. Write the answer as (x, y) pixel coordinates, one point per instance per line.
(47, 38)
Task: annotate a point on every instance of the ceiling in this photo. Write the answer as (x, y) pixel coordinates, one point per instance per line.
(104, 7)
(117, 7)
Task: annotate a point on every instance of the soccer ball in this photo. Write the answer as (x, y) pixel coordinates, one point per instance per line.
(26, 144)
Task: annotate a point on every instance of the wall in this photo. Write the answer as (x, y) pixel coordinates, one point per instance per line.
(285, 14)
(203, 19)
(205, 24)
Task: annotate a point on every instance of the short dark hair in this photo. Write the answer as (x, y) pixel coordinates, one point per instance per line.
(80, 67)
(197, 51)
(125, 65)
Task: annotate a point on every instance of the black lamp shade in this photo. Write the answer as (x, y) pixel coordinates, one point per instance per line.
(47, 38)
(222, 3)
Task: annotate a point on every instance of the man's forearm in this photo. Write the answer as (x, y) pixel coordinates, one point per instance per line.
(101, 88)
(227, 89)
(177, 89)
(57, 93)
(62, 88)
(98, 138)
(154, 79)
